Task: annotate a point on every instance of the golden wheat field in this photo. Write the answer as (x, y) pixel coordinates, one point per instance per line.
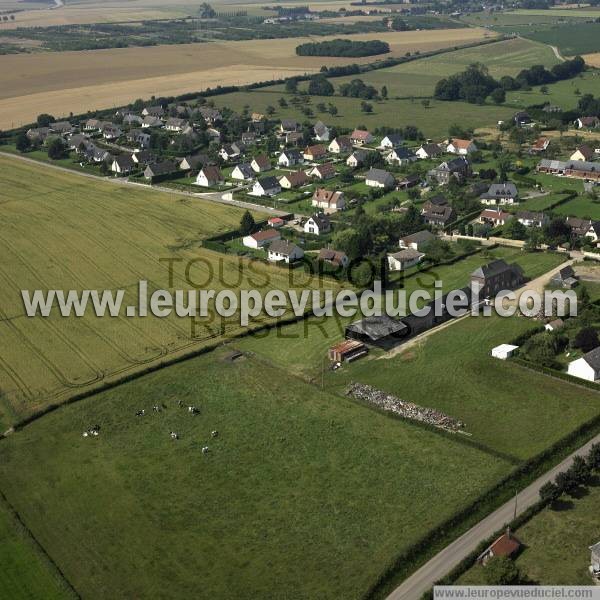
(81, 81)
(66, 232)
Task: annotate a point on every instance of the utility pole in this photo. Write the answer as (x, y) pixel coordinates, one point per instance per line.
(515, 515)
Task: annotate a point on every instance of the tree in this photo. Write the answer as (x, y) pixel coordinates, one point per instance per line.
(566, 482)
(333, 110)
(366, 107)
(498, 96)
(22, 143)
(247, 223)
(291, 85)
(348, 241)
(384, 92)
(44, 120)
(515, 230)
(593, 457)
(425, 103)
(56, 149)
(549, 492)
(270, 110)
(320, 86)
(586, 339)
(501, 570)
(438, 250)
(544, 89)
(282, 102)
(580, 470)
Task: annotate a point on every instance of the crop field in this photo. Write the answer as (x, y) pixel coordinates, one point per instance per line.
(433, 121)
(65, 232)
(88, 80)
(268, 505)
(529, 17)
(451, 370)
(418, 78)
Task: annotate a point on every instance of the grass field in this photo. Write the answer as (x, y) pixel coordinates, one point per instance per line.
(556, 542)
(303, 492)
(25, 574)
(82, 81)
(61, 231)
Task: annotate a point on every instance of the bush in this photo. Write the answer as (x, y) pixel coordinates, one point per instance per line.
(586, 339)
(501, 570)
(345, 48)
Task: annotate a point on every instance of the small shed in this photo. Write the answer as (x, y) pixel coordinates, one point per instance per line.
(347, 351)
(595, 561)
(504, 351)
(506, 545)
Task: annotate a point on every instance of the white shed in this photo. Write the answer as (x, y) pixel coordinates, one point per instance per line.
(503, 351)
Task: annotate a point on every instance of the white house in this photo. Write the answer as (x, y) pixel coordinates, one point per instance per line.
(209, 176)
(340, 144)
(357, 158)
(329, 200)
(122, 164)
(242, 172)
(587, 367)
(324, 171)
(405, 259)
(583, 153)
(294, 179)
(462, 147)
(391, 141)
(401, 156)
(500, 194)
(416, 241)
(428, 151)
(361, 137)
(380, 179)
(266, 186)
(289, 158)
(321, 131)
(504, 351)
(281, 250)
(317, 224)
(261, 163)
(261, 238)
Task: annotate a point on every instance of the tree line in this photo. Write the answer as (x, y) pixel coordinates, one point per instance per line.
(344, 48)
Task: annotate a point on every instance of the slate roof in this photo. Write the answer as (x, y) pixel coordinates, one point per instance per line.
(418, 237)
(496, 267)
(380, 176)
(246, 170)
(376, 328)
(501, 190)
(592, 358)
(268, 183)
(161, 168)
(282, 247)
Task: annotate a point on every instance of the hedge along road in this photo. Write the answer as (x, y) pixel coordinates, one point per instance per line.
(443, 562)
(211, 197)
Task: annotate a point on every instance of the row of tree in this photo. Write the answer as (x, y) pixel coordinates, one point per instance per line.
(344, 48)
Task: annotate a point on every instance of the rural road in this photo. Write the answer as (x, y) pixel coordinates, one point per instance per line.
(211, 197)
(423, 579)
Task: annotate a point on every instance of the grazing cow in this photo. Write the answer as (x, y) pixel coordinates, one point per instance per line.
(214, 433)
(205, 450)
(174, 436)
(140, 413)
(193, 410)
(156, 408)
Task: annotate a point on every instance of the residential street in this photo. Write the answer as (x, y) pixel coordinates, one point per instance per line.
(443, 562)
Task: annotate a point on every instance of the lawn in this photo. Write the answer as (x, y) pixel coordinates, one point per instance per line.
(582, 206)
(61, 231)
(556, 542)
(301, 490)
(25, 573)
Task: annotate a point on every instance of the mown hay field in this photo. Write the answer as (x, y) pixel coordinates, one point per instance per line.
(65, 232)
(88, 80)
(303, 493)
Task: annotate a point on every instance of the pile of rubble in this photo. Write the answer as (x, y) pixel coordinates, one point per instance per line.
(407, 410)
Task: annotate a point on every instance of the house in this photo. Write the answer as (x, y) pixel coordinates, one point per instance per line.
(579, 227)
(213, 134)
(61, 127)
(248, 138)
(175, 124)
(587, 367)
(522, 119)
(139, 137)
(391, 141)
(504, 351)
(288, 126)
(294, 138)
(289, 158)
(242, 171)
(209, 176)
(266, 186)
(143, 157)
(383, 331)
(276, 222)
(151, 122)
(587, 122)
(314, 152)
(93, 125)
(282, 250)
(593, 233)
(495, 277)
(261, 163)
(317, 224)
(293, 180)
(328, 200)
(333, 257)
(160, 169)
(357, 158)
(75, 140)
(506, 545)
(210, 115)
(438, 216)
(409, 181)
(554, 325)
(94, 154)
(458, 168)
(429, 151)
(401, 156)
(38, 134)
(321, 131)
(595, 561)
(360, 137)
(438, 200)
(380, 179)
(153, 111)
(583, 152)
(416, 241)
(347, 351)
(532, 219)
(123, 164)
(340, 145)
(565, 278)
(324, 171)
(130, 119)
(500, 193)
(461, 147)
(405, 259)
(111, 131)
(261, 238)
(193, 162)
(230, 151)
(540, 145)
(494, 216)
(553, 167)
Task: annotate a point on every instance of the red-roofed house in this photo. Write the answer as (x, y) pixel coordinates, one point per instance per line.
(360, 137)
(261, 238)
(506, 545)
(495, 217)
(462, 147)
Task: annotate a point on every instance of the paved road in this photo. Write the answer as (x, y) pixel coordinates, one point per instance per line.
(210, 196)
(443, 562)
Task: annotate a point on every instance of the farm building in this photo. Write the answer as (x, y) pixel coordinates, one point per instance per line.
(587, 367)
(383, 331)
(347, 351)
(504, 351)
